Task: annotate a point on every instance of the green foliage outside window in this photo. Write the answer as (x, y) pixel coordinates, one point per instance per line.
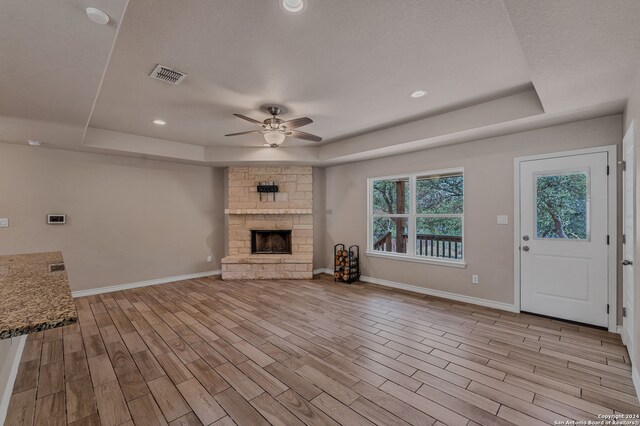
(442, 196)
(391, 196)
(561, 206)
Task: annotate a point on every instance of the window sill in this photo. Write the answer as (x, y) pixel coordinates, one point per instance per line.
(418, 259)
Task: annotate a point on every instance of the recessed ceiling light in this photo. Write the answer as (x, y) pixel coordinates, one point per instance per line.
(159, 122)
(97, 16)
(34, 143)
(418, 93)
(293, 7)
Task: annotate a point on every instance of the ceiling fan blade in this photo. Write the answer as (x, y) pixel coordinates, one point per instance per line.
(249, 119)
(297, 122)
(244, 133)
(303, 135)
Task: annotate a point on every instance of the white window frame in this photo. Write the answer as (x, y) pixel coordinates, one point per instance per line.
(412, 217)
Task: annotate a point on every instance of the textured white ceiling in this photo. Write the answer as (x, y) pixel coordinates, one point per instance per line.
(52, 58)
(489, 67)
(349, 65)
(580, 52)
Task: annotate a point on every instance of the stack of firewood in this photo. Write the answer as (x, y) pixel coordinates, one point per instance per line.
(342, 261)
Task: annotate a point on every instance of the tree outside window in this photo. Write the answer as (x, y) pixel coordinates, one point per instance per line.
(418, 215)
(561, 206)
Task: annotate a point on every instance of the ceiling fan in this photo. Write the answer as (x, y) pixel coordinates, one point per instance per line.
(274, 130)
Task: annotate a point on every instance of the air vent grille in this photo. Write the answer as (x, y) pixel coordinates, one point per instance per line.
(168, 75)
(56, 267)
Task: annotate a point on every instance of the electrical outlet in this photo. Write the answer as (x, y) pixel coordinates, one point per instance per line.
(502, 219)
(474, 279)
(4, 222)
(208, 259)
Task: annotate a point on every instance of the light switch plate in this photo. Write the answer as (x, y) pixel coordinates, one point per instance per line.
(502, 219)
(4, 222)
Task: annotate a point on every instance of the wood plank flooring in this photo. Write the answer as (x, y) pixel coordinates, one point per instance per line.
(313, 352)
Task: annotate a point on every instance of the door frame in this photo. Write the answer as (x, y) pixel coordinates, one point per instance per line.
(628, 135)
(612, 196)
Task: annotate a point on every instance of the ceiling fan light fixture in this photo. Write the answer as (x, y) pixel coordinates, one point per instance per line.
(274, 130)
(274, 138)
(293, 7)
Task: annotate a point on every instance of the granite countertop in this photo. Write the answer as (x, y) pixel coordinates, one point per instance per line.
(34, 296)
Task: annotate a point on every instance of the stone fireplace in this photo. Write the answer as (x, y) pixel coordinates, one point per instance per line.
(269, 237)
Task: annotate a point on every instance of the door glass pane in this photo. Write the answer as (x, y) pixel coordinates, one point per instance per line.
(562, 206)
(390, 234)
(391, 196)
(439, 237)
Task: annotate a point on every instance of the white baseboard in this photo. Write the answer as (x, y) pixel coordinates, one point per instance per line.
(8, 388)
(444, 294)
(119, 287)
(431, 292)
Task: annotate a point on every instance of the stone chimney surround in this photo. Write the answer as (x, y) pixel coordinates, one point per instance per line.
(291, 209)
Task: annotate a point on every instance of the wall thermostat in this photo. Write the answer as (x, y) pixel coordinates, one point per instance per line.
(56, 219)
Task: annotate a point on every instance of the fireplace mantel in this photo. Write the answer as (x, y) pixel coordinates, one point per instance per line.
(267, 211)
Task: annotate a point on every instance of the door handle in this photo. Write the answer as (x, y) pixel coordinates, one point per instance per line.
(626, 262)
(526, 238)
(525, 248)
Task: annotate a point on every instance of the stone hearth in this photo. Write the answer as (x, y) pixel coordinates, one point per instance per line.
(290, 210)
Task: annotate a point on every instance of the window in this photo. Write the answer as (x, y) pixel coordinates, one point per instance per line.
(418, 216)
(562, 206)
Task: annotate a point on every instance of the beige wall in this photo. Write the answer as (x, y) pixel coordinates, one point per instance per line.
(319, 217)
(632, 114)
(129, 219)
(489, 169)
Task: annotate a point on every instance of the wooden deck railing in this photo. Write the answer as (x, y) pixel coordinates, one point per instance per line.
(447, 246)
(384, 243)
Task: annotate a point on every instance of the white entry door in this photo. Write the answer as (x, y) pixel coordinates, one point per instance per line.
(563, 237)
(628, 196)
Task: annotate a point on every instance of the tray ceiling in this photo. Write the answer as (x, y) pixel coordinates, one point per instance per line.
(488, 67)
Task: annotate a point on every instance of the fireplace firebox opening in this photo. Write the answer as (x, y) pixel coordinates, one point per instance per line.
(271, 242)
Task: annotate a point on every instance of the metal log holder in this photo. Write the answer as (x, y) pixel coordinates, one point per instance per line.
(346, 263)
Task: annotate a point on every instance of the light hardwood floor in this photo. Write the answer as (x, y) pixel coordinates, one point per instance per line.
(313, 352)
